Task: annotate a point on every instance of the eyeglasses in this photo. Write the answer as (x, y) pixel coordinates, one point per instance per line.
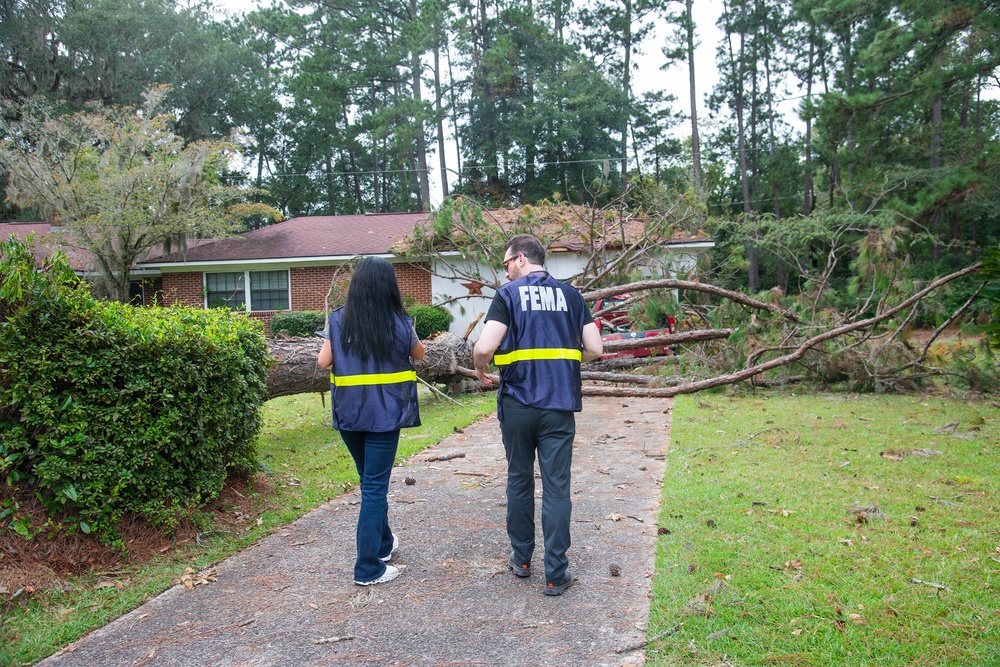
(508, 261)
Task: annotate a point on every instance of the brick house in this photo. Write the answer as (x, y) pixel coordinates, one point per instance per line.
(291, 265)
(286, 266)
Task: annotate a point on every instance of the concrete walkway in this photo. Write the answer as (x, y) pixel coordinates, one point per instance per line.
(290, 598)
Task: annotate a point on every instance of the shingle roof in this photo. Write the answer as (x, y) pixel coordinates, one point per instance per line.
(350, 235)
(46, 242)
(572, 227)
(307, 236)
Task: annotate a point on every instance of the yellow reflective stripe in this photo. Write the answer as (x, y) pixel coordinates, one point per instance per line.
(373, 378)
(536, 354)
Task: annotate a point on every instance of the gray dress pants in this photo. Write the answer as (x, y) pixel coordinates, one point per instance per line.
(549, 433)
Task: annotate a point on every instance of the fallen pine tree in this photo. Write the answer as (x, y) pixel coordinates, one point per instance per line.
(448, 358)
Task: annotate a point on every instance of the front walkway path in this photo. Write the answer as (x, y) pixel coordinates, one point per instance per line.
(287, 599)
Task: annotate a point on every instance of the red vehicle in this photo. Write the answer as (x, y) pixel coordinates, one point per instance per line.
(615, 319)
(616, 325)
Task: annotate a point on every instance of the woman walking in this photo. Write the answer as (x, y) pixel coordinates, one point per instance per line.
(370, 344)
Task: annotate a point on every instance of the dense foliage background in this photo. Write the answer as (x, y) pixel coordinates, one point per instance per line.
(345, 106)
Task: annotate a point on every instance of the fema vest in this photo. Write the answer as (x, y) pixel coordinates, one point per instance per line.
(375, 396)
(539, 357)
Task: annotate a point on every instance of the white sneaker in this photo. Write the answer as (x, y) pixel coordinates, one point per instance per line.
(391, 572)
(395, 545)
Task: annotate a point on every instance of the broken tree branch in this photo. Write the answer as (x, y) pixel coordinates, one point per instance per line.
(666, 339)
(627, 378)
(746, 373)
(673, 283)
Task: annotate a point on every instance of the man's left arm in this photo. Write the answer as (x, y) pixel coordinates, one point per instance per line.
(489, 341)
(593, 346)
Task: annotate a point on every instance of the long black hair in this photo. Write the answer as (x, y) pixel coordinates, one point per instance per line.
(373, 302)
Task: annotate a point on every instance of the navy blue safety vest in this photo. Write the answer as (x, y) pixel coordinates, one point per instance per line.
(376, 396)
(539, 357)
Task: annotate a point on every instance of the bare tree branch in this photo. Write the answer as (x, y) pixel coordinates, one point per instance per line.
(746, 373)
(666, 339)
(673, 283)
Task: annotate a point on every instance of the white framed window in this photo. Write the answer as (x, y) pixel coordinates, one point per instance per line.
(248, 290)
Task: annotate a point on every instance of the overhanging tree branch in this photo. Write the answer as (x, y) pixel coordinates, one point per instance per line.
(673, 283)
(747, 373)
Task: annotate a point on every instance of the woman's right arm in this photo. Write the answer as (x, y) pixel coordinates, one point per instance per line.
(325, 357)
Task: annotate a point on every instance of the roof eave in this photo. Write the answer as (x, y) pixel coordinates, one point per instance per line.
(297, 261)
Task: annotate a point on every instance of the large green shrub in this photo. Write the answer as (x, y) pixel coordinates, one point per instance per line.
(107, 409)
(429, 320)
(297, 323)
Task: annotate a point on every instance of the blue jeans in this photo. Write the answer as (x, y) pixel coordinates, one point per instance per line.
(374, 454)
(549, 434)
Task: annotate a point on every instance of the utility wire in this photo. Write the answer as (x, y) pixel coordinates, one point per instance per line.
(433, 169)
(858, 139)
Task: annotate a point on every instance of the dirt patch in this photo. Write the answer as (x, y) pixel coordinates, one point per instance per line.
(921, 336)
(54, 554)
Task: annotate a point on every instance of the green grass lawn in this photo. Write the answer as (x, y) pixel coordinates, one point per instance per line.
(802, 532)
(792, 539)
(306, 464)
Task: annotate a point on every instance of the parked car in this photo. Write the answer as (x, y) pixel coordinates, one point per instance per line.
(615, 319)
(616, 325)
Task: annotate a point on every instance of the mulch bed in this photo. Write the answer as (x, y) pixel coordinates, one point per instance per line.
(56, 554)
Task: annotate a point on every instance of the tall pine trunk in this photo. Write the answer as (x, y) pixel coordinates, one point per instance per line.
(416, 69)
(936, 163)
(775, 201)
(737, 73)
(453, 106)
(695, 145)
(330, 185)
(807, 185)
(439, 112)
(627, 90)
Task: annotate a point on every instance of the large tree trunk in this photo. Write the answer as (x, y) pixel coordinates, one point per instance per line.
(423, 179)
(449, 357)
(295, 371)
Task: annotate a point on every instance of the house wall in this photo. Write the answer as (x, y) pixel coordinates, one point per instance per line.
(308, 288)
(186, 289)
(561, 265)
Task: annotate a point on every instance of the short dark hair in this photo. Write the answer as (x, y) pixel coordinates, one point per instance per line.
(527, 245)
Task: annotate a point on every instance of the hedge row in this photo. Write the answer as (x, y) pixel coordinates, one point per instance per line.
(107, 409)
(428, 320)
(297, 323)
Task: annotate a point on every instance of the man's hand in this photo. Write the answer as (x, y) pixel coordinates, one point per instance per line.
(483, 377)
(489, 341)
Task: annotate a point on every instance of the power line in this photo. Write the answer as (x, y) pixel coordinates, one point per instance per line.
(434, 169)
(858, 139)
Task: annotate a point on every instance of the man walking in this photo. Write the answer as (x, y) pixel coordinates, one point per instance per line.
(540, 331)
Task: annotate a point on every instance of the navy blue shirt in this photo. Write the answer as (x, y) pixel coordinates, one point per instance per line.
(540, 355)
(375, 395)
